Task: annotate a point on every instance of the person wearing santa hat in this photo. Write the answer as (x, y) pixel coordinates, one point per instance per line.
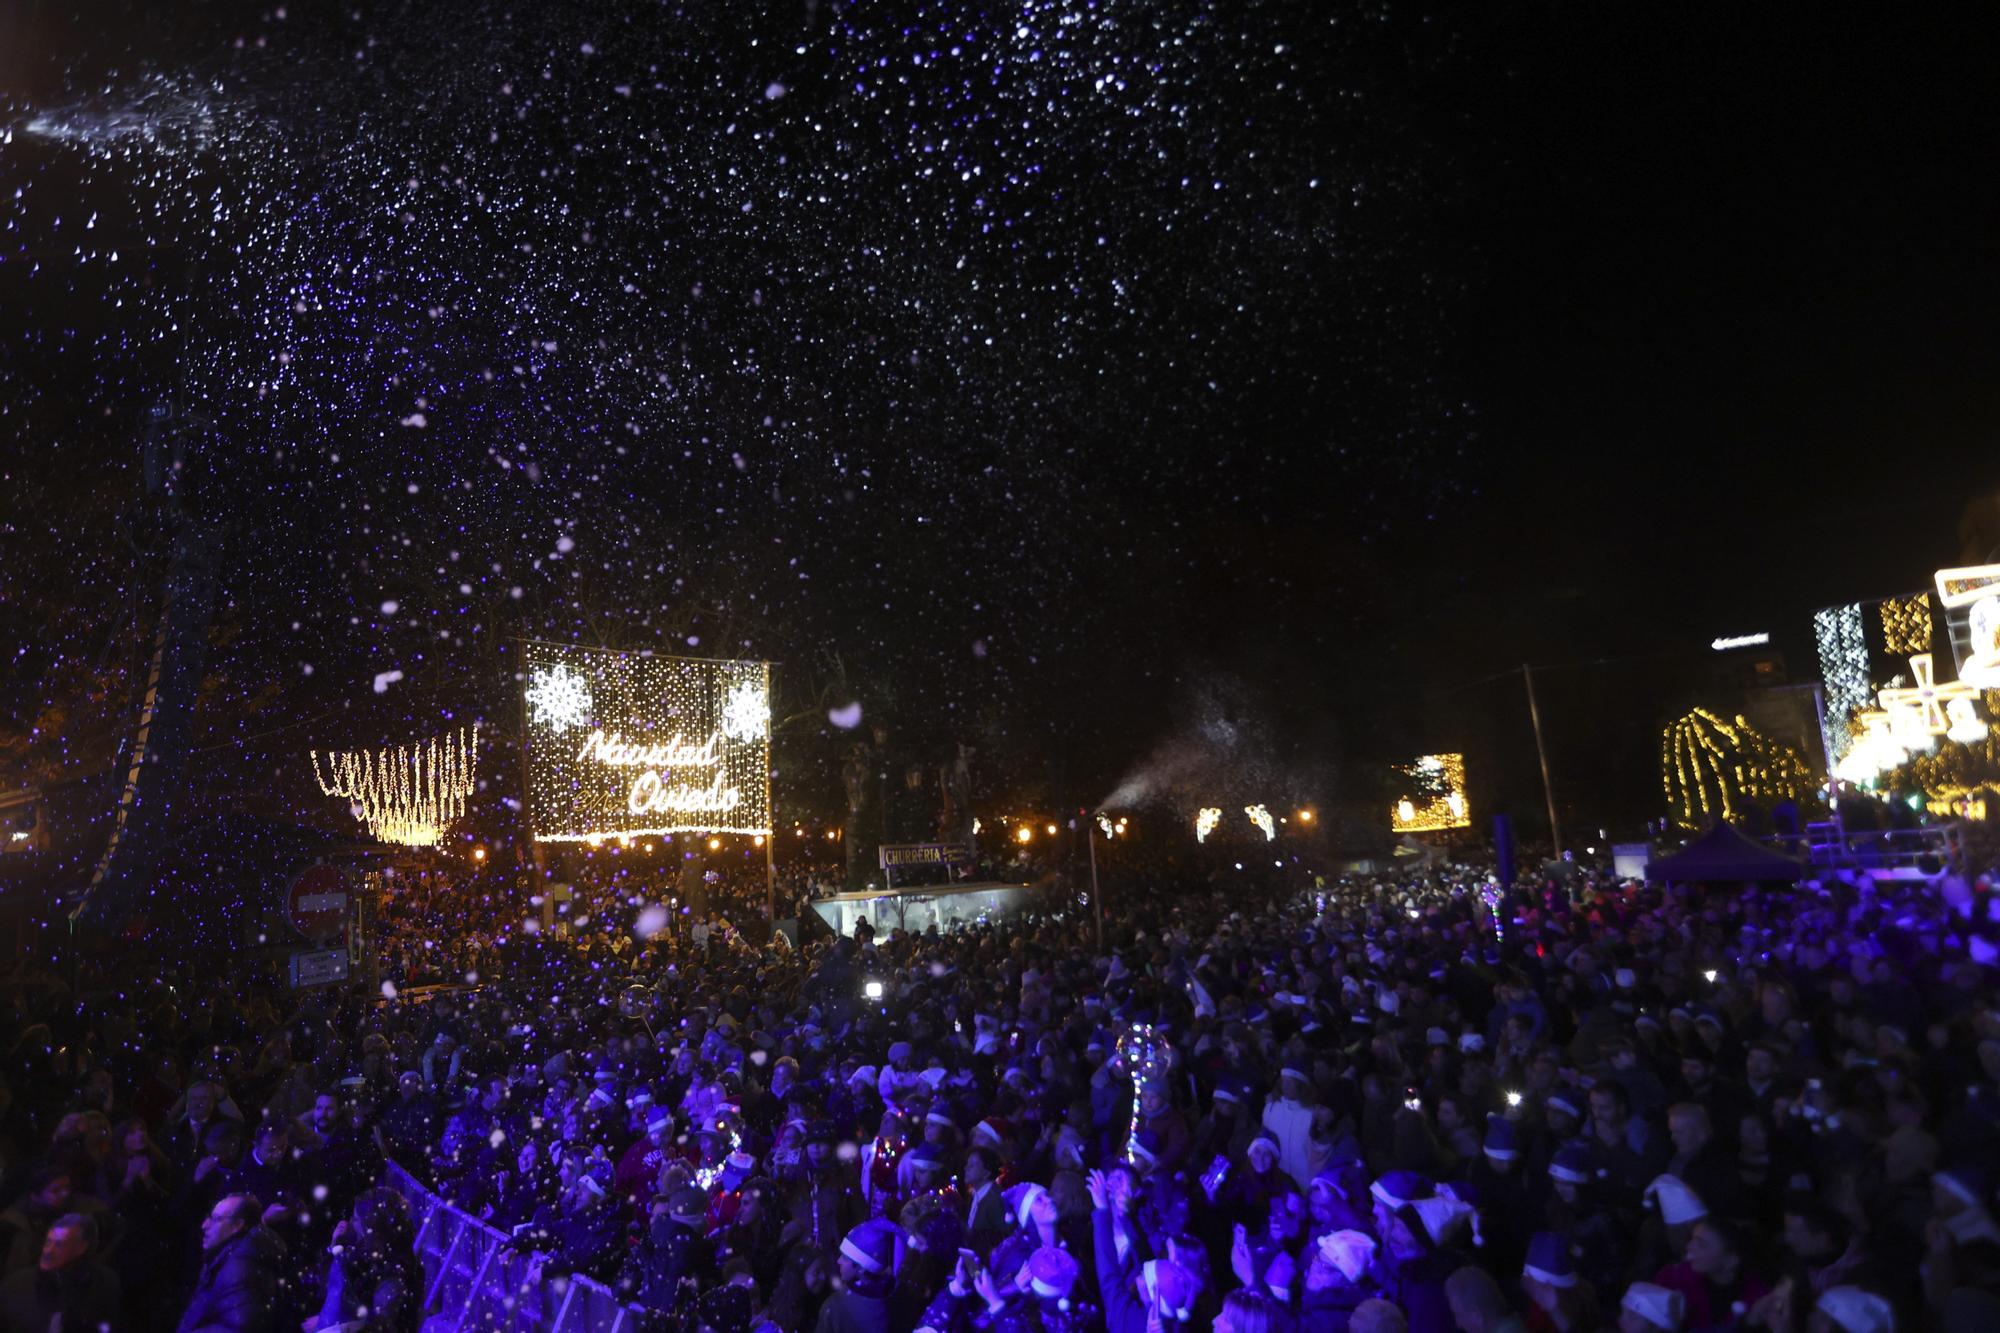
(1339, 1276)
(1419, 1253)
(1851, 1310)
(867, 1275)
(1288, 1116)
(1647, 1308)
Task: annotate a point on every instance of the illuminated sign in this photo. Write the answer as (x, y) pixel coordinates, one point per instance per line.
(631, 744)
(1432, 796)
(1971, 601)
(1740, 641)
(924, 854)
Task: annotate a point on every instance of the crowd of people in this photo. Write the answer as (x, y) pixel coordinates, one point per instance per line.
(1409, 1102)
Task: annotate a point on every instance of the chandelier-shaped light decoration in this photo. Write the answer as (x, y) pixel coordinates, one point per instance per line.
(410, 794)
(1205, 822)
(1261, 817)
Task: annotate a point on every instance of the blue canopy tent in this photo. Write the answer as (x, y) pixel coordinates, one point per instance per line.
(1722, 856)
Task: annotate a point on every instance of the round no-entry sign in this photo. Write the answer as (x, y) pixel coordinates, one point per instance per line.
(316, 904)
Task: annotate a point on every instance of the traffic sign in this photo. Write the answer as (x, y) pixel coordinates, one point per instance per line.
(316, 903)
(318, 967)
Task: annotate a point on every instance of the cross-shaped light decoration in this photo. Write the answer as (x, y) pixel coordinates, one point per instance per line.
(1927, 697)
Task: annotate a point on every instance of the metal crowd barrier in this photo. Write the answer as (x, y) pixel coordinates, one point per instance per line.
(476, 1284)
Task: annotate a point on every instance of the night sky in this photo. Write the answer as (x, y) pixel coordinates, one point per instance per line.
(1033, 374)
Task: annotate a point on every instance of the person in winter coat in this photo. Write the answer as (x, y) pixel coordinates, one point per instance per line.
(1138, 1297)
(374, 1282)
(867, 1277)
(663, 1273)
(1418, 1257)
(238, 1287)
(68, 1288)
(1288, 1115)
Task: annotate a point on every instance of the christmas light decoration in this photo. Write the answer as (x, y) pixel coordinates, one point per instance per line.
(1712, 767)
(1262, 819)
(1145, 1057)
(675, 745)
(1205, 822)
(407, 795)
(1874, 750)
(1110, 830)
(1906, 624)
(1973, 595)
(1434, 795)
(560, 698)
(747, 714)
(1966, 726)
(1925, 699)
(1843, 667)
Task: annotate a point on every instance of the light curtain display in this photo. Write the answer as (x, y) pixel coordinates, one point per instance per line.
(632, 744)
(408, 795)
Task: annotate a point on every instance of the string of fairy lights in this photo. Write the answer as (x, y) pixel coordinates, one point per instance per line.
(408, 795)
(1843, 666)
(1906, 624)
(1710, 767)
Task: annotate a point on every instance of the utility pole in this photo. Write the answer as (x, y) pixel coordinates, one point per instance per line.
(1542, 753)
(1096, 895)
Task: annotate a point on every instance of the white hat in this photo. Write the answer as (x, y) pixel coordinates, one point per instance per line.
(1676, 1202)
(1659, 1307)
(1441, 1216)
(1349, 1251)
(1856, 1311)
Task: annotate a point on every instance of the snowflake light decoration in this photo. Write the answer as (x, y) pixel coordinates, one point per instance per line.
(561, 698)
(746, 713)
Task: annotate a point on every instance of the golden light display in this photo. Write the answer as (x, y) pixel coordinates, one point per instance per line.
(1711, 767)
(1432, 796)
(1261, 817)
(408, 795)
(1205, 822)
(1906, 624)
(633, 745)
